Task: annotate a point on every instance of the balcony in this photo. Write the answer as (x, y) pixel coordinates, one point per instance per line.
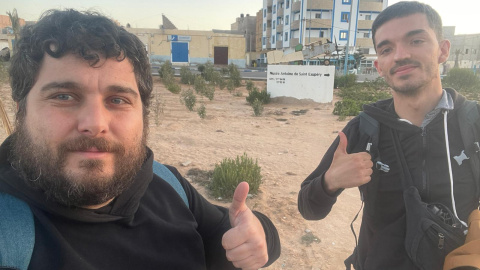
(294, 42)
(279, 44)
(365, 24)
(364, 43)
(296, 6)
(319, 23)
(269, 16)
(371, 6)
(295, 25)
(280, 12)
(269, 3)
(279, 28)
(320, 4)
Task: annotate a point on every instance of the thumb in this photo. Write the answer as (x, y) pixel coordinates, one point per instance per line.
(342, 145)
(238, 204)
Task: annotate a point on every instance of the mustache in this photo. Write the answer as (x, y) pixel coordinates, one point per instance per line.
(399, 64)
(85, 143)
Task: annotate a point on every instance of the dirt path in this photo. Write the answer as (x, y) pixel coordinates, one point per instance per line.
(288, 148)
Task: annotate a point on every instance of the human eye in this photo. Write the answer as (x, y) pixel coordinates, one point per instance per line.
(385, 50)
(119, 101)
(417, 41)
(63, 97)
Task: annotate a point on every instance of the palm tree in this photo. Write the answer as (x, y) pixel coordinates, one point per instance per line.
(15, 23)
(457, 53)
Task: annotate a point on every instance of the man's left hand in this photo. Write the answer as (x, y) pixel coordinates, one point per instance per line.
(245, 242)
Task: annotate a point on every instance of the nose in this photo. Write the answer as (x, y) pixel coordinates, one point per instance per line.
(401, 52)
(93, 118)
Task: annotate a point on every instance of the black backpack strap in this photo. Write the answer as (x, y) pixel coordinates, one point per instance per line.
(469, 121)
(369, 132)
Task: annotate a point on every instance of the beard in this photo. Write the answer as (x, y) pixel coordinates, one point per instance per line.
(46, 169)
(408, 86)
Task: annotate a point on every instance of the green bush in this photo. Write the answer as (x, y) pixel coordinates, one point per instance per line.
(174, 88)
(166, 71)
(250, 85)
(354, 97)
(231, 172)
(208, 72)
(344, 81)
(222, 83)
(209, 92)
(257, 106)
(202, 111)
(189, 99)
(200, 84)
(230, 85)
(234, 75)
(186, 76)
(263, 96)
(462, 80)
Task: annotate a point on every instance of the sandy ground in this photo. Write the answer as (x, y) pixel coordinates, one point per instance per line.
(288, 147)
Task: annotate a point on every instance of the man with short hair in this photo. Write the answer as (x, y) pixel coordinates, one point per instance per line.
(408, 40)
(79, 159)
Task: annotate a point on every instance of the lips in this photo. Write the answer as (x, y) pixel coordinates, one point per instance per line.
(403, 69)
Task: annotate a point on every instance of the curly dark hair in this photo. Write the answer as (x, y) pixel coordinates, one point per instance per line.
(89, 35)
(407, 8)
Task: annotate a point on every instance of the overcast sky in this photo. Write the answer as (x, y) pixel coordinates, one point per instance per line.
(212, 14)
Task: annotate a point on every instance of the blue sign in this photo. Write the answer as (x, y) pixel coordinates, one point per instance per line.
(173, 37)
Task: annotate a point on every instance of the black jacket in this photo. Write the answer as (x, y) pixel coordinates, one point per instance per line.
(146, 227)
(382, 233)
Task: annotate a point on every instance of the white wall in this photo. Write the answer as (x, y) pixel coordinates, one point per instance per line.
(301, 82)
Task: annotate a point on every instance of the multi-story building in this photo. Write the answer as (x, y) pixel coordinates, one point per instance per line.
(464, 50)
(246, 25)
(288, 23)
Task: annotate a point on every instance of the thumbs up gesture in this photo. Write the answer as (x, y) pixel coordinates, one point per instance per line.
(347, 170)
(245, 242)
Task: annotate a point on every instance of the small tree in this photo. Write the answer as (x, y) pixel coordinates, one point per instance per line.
(231, 172)
(462, 80)
(202, 111)
(234, 75)
(189, 99)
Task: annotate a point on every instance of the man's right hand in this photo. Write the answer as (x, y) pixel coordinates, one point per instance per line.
(347, 170)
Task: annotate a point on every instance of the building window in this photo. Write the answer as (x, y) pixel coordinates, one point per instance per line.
(318, 15)
(263, 40)
(466, 51)
(287, 19)
(288, 4)
(265, 13)
(368, 17)
(346, 2)
(366, 35)
(322, 33)
(343, 34)
(286, 36)
(273, 39)
(345, 16)
(264, 27)
(274, 9)
(274, 24)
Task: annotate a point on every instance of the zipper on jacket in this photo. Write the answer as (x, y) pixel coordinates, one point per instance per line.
(424, 151)
(441, 240)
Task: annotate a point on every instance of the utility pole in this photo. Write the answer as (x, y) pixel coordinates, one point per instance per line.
(348, 38)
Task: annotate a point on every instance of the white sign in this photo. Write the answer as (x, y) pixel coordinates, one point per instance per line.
(179, 38)
(301, 82)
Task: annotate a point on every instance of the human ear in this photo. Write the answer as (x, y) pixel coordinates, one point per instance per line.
(379, 70)
(444, 50)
